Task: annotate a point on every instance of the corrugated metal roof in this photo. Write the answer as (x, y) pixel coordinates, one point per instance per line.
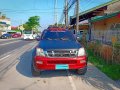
(98, 18)
(2, 22)
(95, 8)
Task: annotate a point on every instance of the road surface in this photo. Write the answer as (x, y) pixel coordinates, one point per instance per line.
(15, 72)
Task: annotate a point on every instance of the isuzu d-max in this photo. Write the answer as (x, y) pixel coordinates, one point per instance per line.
(58, 49)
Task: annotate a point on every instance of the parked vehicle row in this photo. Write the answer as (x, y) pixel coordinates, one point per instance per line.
(16, 35)
(7, 35)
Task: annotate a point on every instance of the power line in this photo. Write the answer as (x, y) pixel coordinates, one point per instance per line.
(32, 12)
(88, 4)
(70, 4)
(12, 10)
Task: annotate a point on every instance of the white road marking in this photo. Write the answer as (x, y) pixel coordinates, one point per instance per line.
(17, 49)
(15, 56)
(4, 57)
(8, 43)
(71, 81)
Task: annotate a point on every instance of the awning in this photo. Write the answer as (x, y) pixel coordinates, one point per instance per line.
(99, 18)
(2, 22)
(85, 22)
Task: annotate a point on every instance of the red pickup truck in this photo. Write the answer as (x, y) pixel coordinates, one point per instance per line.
(58, 49)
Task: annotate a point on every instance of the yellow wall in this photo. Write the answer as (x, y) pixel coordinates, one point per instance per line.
(83, 27)
(111, 21)
(105, 24)
(100, 25)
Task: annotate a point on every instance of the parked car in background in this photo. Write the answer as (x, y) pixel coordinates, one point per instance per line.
(58, 49)
(6, 36)
(16, 35)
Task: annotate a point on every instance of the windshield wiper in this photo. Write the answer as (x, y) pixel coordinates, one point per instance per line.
(64, 39)
(52, 39)
(49, 38)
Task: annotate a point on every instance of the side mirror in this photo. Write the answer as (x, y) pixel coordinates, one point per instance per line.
(38, 38)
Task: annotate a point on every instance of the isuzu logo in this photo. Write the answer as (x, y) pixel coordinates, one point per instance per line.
(53, 53)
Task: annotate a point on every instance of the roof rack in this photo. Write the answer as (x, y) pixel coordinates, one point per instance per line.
(56, 29)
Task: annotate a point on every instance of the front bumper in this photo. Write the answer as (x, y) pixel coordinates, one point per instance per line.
(46, 63)
(28, 38)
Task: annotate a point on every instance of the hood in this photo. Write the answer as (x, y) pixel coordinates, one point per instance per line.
(58, 44)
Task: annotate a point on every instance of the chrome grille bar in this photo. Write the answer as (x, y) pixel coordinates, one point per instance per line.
(62, 53)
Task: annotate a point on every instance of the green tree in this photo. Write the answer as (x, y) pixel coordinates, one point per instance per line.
(32, 23)
(26, 26)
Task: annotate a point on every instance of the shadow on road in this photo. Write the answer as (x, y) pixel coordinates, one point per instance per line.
(93, 76)
(24, 67)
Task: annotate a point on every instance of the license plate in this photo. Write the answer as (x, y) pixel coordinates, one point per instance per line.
(61, 66)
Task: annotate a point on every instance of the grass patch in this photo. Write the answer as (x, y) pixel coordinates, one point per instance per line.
(111, 70)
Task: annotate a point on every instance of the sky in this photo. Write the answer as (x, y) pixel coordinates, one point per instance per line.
(20, 10)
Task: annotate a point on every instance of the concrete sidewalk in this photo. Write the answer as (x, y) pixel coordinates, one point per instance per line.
(95, 78)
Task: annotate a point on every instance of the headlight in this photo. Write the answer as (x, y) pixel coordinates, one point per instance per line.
(81, 52)
(39, 52)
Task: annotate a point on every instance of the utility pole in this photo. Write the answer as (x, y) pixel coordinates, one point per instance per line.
(66, 13)
(21, 26)
(55, 12)
(77, 16)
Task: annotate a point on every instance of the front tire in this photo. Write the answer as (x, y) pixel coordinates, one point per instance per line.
(82, 71)
(34, 72)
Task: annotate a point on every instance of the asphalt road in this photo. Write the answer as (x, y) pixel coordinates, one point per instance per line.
(8, 45)
(15, 73)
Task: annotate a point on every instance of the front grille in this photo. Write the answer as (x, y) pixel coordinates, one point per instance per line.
(62, 62)
(61, 53)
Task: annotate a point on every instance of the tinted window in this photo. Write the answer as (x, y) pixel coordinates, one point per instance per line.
(27, 32)
(62, 35)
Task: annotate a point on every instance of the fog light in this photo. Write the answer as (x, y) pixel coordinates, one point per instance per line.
(82, 61)
(39, 62)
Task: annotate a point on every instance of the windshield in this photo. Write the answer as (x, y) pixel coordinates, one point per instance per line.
(62, 35)
(27, 32)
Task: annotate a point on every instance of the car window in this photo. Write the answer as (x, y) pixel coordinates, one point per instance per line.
(62, 35)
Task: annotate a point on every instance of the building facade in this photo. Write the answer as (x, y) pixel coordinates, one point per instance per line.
(5, 24)
(105, 28)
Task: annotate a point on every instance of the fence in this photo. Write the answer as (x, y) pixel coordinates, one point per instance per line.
(105, 36)
(109, 52)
